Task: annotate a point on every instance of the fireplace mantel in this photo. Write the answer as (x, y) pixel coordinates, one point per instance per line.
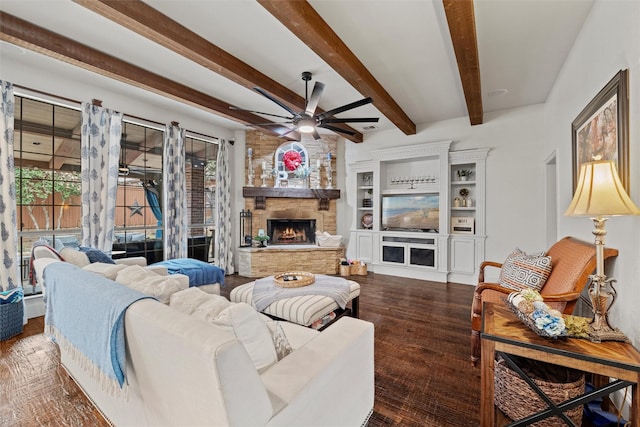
(260, 194)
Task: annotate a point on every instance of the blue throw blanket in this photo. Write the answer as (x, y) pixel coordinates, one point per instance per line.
(266, 292)
(85, 313)
(199, 272)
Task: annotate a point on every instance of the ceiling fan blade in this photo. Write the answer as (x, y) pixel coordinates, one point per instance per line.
(312, 103)
(315, 134)
(271, 124)
(259, 112)
(295, 135)
(337, 129)
(356, 104)
(272, 99)
(356, 120)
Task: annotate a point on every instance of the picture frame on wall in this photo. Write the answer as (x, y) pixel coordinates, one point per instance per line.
(601, 130)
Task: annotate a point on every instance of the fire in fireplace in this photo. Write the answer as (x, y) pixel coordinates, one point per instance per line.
(291, 231)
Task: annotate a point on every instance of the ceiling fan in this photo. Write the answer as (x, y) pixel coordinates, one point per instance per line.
(307, 121)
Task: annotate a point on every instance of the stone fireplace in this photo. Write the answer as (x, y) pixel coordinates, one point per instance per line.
(291, 223)
(290, 216)
(291, 231)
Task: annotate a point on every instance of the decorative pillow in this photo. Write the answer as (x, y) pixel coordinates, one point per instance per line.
(110, 271)
(96, 255)
(521, 271)
(74, 256)
(280, 341)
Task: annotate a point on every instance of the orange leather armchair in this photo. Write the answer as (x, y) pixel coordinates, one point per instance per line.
(572, 262)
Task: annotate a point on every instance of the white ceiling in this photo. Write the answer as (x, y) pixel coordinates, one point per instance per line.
(522, 45)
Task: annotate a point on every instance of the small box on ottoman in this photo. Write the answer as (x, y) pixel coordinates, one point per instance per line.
(11, 317)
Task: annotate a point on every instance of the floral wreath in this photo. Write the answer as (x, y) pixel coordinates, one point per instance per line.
(292, 160)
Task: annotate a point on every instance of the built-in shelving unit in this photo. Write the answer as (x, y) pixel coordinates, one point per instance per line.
(441, 239)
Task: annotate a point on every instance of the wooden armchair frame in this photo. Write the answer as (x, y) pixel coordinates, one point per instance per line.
(572, 260)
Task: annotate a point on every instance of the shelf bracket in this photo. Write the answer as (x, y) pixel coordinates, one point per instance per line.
(260, 202)
(323, 204)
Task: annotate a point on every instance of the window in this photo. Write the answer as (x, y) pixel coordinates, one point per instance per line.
(47, 158)
(200, 169)
(138, 221)
(291, 162)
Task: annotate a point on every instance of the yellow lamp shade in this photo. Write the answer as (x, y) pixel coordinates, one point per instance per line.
(600, 193)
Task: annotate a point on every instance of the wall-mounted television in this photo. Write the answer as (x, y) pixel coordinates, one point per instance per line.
(401, 212)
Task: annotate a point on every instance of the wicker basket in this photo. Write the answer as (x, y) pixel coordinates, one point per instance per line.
(11, 318)
(345, 270)
(295, 279)
(359, 269)
(517, 400)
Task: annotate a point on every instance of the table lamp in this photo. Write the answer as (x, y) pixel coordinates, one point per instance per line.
(600, 194)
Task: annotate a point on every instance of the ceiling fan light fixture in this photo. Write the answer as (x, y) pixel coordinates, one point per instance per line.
(306, 125)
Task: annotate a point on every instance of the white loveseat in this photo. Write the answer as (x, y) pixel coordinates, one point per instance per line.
(183, 371)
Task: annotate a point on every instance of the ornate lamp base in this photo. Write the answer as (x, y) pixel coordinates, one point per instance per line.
(602, 295)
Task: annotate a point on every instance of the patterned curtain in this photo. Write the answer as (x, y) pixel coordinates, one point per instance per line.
(9, 275)
(223, 256)
(100, 154)
(174, 194)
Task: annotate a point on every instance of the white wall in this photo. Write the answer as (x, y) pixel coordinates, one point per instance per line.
(609, 41)
(515, 172)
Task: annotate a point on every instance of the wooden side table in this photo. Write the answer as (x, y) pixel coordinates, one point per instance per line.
(505, 334)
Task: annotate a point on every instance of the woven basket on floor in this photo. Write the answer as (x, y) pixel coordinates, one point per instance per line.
(359, 269)
(345, 270)
(11, 317)
(517, 400)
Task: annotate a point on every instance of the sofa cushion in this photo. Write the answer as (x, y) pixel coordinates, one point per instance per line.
(521, 271)
(74, 256)
(252, 332)
(241, 319)
(110, 271)
(149, 282)
(194, 301)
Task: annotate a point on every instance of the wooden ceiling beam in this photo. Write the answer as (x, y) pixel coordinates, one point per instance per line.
(462, 27)
(150, 23)
(303, 21)
(29, 36)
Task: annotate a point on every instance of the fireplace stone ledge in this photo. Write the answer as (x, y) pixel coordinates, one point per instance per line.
(271, 260)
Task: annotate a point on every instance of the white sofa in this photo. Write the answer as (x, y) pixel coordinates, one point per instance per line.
(183, 371)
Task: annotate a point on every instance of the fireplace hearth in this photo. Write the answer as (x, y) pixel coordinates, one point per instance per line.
(291, 231)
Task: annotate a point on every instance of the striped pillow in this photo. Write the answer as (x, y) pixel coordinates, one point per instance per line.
(521, 271)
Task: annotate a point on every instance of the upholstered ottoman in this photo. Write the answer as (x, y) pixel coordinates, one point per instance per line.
(303, 310)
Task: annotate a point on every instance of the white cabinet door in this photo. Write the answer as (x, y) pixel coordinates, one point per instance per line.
(463, 255)
(364, 246)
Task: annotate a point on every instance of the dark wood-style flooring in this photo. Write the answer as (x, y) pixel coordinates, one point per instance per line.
(423, 376)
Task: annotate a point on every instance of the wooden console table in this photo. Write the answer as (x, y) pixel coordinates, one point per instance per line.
(505, 334)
